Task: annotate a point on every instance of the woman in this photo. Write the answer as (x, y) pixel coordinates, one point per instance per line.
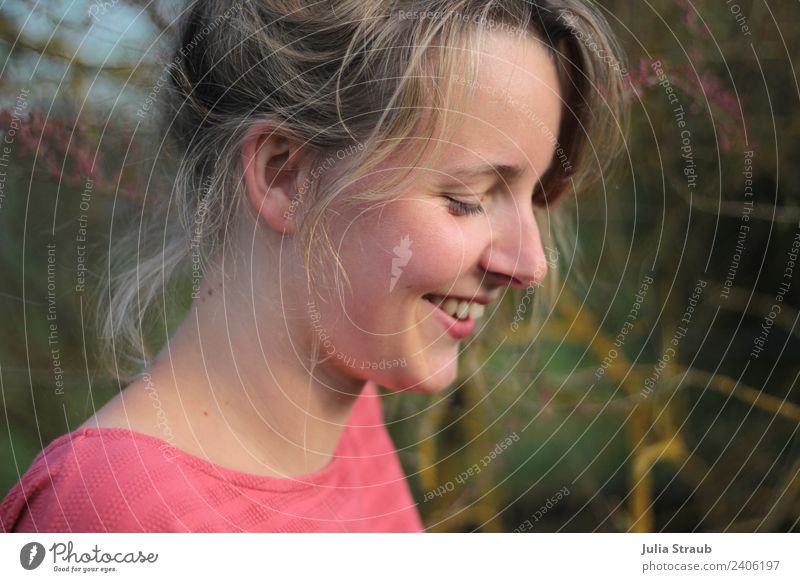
(358, 183)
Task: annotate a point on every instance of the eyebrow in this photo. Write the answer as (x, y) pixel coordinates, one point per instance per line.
(505, 171)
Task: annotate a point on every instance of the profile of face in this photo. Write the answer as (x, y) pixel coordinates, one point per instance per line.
(466, 228)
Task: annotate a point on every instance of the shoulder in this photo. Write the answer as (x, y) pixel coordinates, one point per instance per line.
(94, 480)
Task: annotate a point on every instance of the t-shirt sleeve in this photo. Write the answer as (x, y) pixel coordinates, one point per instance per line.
(91, 484)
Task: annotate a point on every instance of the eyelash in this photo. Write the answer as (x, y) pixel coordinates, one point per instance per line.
(462, 208)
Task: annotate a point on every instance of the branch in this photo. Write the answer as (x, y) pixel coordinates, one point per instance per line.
(725, 385)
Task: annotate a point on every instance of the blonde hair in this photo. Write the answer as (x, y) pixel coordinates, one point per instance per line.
(341, 76)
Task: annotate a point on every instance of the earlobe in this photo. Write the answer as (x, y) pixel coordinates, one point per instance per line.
(271, 166)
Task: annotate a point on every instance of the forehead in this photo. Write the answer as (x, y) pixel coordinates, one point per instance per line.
(511, 122)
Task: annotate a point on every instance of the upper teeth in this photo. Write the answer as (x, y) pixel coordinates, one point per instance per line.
(458, 307)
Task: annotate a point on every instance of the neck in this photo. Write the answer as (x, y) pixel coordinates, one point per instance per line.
(240, 382)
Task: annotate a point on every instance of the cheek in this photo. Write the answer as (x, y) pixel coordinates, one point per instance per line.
(426, 249)
(448, 248)
(416, 243)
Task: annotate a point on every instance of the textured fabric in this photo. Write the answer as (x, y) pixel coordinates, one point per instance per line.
(118, 480)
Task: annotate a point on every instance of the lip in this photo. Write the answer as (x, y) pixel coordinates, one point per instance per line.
(457, 328)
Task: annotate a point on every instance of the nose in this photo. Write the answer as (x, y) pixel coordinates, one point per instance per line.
(514, 256)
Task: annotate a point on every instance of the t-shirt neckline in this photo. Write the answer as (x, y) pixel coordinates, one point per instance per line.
(325, 476)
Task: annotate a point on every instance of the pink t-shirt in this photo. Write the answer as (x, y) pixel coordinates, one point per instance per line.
(118, 480)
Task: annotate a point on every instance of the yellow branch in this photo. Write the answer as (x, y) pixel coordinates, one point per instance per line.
(642, 472)
(757, 398)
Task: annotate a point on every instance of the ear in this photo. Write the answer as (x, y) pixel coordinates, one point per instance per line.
(273, 173)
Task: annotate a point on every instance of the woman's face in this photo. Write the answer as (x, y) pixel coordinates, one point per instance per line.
(465, 229)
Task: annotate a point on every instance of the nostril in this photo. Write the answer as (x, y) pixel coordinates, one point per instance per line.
(493, 278)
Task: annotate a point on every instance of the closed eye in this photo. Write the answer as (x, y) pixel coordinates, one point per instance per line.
(460, 208)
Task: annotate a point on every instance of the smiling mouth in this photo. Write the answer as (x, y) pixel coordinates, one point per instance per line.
(457, 308)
